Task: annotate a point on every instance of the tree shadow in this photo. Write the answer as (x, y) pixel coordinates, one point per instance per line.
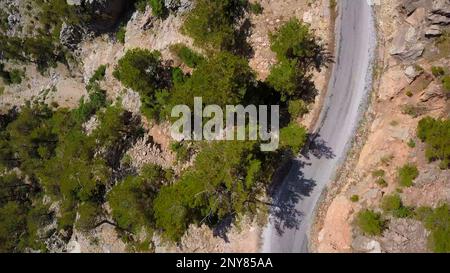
(294, 186)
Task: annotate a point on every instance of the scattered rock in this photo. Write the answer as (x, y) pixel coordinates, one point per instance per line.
(433, 31)
(412, 73)
(417, 18)
(70, 36)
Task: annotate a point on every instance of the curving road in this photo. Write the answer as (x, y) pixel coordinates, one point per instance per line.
(297, 196)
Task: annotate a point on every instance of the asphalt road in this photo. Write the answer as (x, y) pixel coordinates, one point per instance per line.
(350, 82)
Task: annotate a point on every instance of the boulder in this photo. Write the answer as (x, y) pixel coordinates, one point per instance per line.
(412, 73)
(437, 19)
(406, 44)
(409, 6)
(417, 17)
(71, 36)
(433, 31)
(441, 7)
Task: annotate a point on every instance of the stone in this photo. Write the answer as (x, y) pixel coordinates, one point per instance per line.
(406, 44)
(412, 73)
(437, 19)
(417, 18)
(433, 31)
(441, 7)
(409, 6)
(71, 36)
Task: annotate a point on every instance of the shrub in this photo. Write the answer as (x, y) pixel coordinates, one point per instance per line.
(411, 143)
(158, 7)
(293, 137)
(381, 182)
(121, 33)
(297, 108)
(437, 71)
(436, 135)
(370, 222)
(407, 174)
(187, 55)
(256, 8)
(394, 205)
(354, 198)
(378, 173)
(141, 70)
(437, 221)
(446, 84)
(211, 23)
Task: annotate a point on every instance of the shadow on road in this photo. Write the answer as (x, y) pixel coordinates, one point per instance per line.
(295, 187)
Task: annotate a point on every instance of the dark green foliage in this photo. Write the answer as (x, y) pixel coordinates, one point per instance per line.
(297, 108)
(11, 77)
(187, 55)
(256, 8)
(142, 71)
(437, 71)
(298, 52)
(211, 23)
(437, 221)
(446, 84)
(293, 137)
(223, 80)
(131, 200)
(394, 205)
(370, 222)
(90, 216)
(120, 34)
(158, 7)
(436, 135)
(354, 198)
(407, 174)
(226, 179)
(21, 215)
(181, 149)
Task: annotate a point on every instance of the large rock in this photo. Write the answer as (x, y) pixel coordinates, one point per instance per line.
(71, 36)
(441, 7)
(406, 44)
(437, 19)
(409, 6)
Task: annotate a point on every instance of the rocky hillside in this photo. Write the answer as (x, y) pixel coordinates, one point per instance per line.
(393, 187)
(85, 90)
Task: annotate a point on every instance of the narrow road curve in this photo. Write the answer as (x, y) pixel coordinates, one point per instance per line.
(350, 82)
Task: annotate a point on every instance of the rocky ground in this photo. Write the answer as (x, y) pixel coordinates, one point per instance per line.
(408, 31)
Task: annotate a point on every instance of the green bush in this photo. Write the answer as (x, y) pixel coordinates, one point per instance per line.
(256, 8)
(211, 23)
(354, 198)
(437, 71)
(394, 205)
(378, 173)
(141, 70)
(407, 174)
(436, 135)
(187, 55)
(298, 52)
(121, 34)
(293, 137)
(297, 108)
(446, 84)
(370, 222)
(437, 221)
(158, 7)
